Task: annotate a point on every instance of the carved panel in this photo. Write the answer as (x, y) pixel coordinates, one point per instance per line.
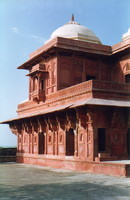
(50, 137)
(61, 136)
(81, 134)
(90, 134)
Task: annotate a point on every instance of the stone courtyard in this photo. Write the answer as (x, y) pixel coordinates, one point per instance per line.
(28, 182)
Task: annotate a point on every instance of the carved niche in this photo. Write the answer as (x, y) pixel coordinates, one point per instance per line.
(60, 136)
(66, 75)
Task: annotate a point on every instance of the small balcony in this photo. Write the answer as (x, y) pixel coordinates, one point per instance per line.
(38, 95)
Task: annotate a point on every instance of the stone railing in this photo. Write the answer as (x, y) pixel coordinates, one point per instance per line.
(38, 95)
(71, 91)
(110, 90)
(111, 86)
(95, 88)
(8, 154)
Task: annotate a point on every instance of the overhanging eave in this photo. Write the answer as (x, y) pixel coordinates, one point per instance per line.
(92, 101)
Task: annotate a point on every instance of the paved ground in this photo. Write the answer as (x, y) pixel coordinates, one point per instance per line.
(25, 182)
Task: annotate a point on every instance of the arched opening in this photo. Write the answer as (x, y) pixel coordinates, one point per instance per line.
(128, 143)
(41, 143)
(70, 142)
(35, 83)
(101, 139)
(127, 78)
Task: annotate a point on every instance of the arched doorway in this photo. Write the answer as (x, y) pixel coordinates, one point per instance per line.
(70, 142)
(128, 143)
(101, 139)
(41, 143)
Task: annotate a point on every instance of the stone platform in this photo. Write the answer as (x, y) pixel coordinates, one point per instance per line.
(30, 182)
(114, 168)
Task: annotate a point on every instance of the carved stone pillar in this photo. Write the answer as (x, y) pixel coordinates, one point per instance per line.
(53, 127)
(76, 143)
(90, 135)
(61, 136)
(81, 133)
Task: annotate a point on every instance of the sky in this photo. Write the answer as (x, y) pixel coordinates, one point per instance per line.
(26, 24)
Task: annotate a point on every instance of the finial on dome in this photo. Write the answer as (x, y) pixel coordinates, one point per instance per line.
(72, 18)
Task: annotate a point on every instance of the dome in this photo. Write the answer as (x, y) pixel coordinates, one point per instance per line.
(75, 31)
(126, 35)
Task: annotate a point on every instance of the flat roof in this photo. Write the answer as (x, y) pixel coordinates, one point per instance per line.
(65, 43)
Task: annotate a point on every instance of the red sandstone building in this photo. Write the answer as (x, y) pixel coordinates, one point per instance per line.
(77, 115)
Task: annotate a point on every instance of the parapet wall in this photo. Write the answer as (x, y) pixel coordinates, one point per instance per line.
(8, 154)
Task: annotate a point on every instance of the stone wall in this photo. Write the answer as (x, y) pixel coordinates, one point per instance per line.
(8, 154)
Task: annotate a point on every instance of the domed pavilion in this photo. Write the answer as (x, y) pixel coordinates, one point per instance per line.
(75, 31)
(77, 115)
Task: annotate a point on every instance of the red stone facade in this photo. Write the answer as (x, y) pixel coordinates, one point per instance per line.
(78, 111)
